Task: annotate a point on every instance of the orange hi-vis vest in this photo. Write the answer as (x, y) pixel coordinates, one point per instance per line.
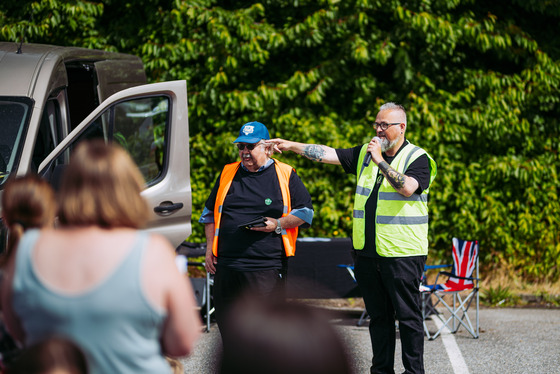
(283, 171)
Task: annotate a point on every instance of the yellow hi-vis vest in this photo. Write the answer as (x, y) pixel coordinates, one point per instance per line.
(401, 223)
(283, 171)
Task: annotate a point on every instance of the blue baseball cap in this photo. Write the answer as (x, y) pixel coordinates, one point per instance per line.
(252, 132)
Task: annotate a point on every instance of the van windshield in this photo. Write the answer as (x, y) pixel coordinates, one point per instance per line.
(14, 116)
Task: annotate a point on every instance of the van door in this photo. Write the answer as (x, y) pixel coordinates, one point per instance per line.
(151, 123)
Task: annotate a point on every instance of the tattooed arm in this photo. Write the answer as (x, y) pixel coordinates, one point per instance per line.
(315, 152)
(404, 185)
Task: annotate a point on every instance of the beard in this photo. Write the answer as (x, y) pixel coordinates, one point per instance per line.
(386, 144)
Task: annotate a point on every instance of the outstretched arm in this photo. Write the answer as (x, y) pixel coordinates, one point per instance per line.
(314, 152)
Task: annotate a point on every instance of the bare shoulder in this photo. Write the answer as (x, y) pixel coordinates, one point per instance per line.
(159, 242)
(159, 251)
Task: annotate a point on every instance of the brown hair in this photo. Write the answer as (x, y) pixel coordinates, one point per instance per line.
(101, 186)
(27, 202)
(49, 355)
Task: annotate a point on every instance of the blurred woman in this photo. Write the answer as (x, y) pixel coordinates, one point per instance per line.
(97, 279)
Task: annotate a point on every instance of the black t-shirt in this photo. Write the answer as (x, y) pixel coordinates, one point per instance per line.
(252, 195)
(419, 170)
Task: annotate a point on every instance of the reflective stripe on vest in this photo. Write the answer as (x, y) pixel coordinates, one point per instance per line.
(401, 223)
(283, 171)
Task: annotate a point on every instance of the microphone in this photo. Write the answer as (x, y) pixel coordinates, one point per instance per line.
(367, 159)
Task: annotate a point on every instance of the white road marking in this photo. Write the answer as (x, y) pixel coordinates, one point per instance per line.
(453, 352)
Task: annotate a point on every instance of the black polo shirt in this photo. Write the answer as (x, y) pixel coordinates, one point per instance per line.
(252, 195)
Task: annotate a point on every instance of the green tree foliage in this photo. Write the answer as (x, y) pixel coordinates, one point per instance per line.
(480, 80)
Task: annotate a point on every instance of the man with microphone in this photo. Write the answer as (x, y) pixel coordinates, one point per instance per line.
(390, 231)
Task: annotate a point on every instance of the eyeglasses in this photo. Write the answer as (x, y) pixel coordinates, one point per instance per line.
(384, 125)
(249, 146)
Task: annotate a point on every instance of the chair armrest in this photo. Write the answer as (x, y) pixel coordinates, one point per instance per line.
(350, 269)
(345, 266)
(456, 276)
(429, 267)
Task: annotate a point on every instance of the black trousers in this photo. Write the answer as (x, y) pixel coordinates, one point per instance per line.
(390, 288)
(230, 285)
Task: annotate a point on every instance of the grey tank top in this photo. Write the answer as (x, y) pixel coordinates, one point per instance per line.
(113, 322)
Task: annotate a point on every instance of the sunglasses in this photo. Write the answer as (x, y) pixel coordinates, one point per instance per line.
(250, 146)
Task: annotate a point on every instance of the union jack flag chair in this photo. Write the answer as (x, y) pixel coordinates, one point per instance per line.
(462, 284)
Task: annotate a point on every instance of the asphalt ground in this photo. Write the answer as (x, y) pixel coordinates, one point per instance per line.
(511, 340)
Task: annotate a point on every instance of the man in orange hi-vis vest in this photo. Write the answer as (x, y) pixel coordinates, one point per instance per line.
(252, 257)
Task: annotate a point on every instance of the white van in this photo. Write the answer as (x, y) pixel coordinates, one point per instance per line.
(52, 97)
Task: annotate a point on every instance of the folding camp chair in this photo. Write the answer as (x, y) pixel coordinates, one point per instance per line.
(205, 299)
(461, 285)
(203, 295)
(350, 269)
(208, 300)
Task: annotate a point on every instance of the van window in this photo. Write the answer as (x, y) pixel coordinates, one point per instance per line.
(14, 118)
(140, 126)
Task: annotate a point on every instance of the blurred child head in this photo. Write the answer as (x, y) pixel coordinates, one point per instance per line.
(51, 356)
(27, 202)
(274, 336)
